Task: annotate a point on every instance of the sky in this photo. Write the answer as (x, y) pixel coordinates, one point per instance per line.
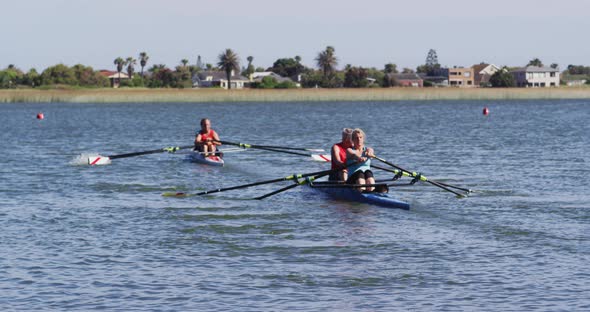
(369, 33)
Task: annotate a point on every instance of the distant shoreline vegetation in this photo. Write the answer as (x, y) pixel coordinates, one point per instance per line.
(143, 95)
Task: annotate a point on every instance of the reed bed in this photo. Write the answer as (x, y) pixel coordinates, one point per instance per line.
(289, 95)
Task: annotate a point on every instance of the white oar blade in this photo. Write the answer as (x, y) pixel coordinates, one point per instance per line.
(321, 157)
(99, 160)
(315, 150)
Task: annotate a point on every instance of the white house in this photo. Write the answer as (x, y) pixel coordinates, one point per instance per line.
(208, 79)
(257, 77)
(536, 77)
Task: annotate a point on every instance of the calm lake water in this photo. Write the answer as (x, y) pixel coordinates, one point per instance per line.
(76, 238)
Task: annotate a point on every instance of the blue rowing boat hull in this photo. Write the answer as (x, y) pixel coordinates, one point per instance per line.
(349, 194)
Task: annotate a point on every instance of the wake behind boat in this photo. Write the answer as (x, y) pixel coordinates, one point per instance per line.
(211, 160)
(348, 192)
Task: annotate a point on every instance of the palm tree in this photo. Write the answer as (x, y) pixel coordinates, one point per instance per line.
(327, 61)
(143, 58)
(120, 64)
(184, 62)
(228, 61)
(535, 62)
(131, 62)
(250, 69)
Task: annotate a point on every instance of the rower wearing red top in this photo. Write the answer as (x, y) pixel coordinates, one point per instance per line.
(339, 156)
(206, 139)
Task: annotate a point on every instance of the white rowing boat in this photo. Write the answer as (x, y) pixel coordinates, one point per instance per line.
(211, 160)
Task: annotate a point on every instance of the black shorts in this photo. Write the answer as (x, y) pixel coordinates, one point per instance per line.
(359, 174)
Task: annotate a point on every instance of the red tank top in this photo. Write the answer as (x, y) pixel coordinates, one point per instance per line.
(210, 135)
(342, 153)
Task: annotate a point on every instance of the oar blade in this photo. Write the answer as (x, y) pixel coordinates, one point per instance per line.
(321, 157)
(99, 160)
(175, 194)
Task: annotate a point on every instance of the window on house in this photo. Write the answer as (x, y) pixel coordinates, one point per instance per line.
(552, 74)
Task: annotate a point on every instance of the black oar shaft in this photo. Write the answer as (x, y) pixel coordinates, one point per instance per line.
(291, 177)
(160, 150)
(408, 174)
(277, 149)
(264, 146)
(294, 185)
(422, 178)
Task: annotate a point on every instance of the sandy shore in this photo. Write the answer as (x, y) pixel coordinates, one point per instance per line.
(291, 95)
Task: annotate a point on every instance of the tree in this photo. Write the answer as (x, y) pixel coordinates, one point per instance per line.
(389, 81)
(143, 58)
(535, 62)
(199, 63)
(287, 67)
(432, 66)
(120, 64)
(184, 62)
(502, 79)
(32, 78)
(407, 71)
(131, 62)
(390, 68)
(87, 77)
(228, 62)
(250, 69)
(432, 58)
(58, 74)
(356, 77)
(327, 61)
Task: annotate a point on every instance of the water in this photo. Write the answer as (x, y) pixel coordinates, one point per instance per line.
(75, 237)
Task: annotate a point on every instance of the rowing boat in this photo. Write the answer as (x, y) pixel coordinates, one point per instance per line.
(348, 192)
(199, 157)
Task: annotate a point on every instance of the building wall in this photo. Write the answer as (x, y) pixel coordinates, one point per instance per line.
(536, 79)
(411, 83)
(461, 77)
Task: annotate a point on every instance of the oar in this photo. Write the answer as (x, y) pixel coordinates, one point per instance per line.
(307, 180)
(419, 177)
(409, 175)
(245, 145)
(275, 149)
(103, 160)
(287, 178)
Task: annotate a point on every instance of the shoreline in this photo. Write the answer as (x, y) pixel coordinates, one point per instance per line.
(134, 95)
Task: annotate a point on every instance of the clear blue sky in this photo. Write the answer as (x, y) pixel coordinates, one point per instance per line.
(369, 33)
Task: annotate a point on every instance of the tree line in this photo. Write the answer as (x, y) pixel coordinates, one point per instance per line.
(325, 75)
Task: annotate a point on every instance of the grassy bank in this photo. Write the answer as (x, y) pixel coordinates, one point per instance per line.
(290, 95)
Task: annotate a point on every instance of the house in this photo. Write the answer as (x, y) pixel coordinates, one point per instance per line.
(257, 77)
(462, 77)
(482, 73)
(114, 77)
(407, 80)
(439, 79)
(576, 83)
(536, 77)
(208, 79)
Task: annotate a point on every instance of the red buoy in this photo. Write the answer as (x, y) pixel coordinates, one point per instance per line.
(486, 111)
(40, 116)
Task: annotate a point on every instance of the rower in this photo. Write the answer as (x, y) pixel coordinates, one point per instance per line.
(339, 156)
(358, 161)
(206, 140)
